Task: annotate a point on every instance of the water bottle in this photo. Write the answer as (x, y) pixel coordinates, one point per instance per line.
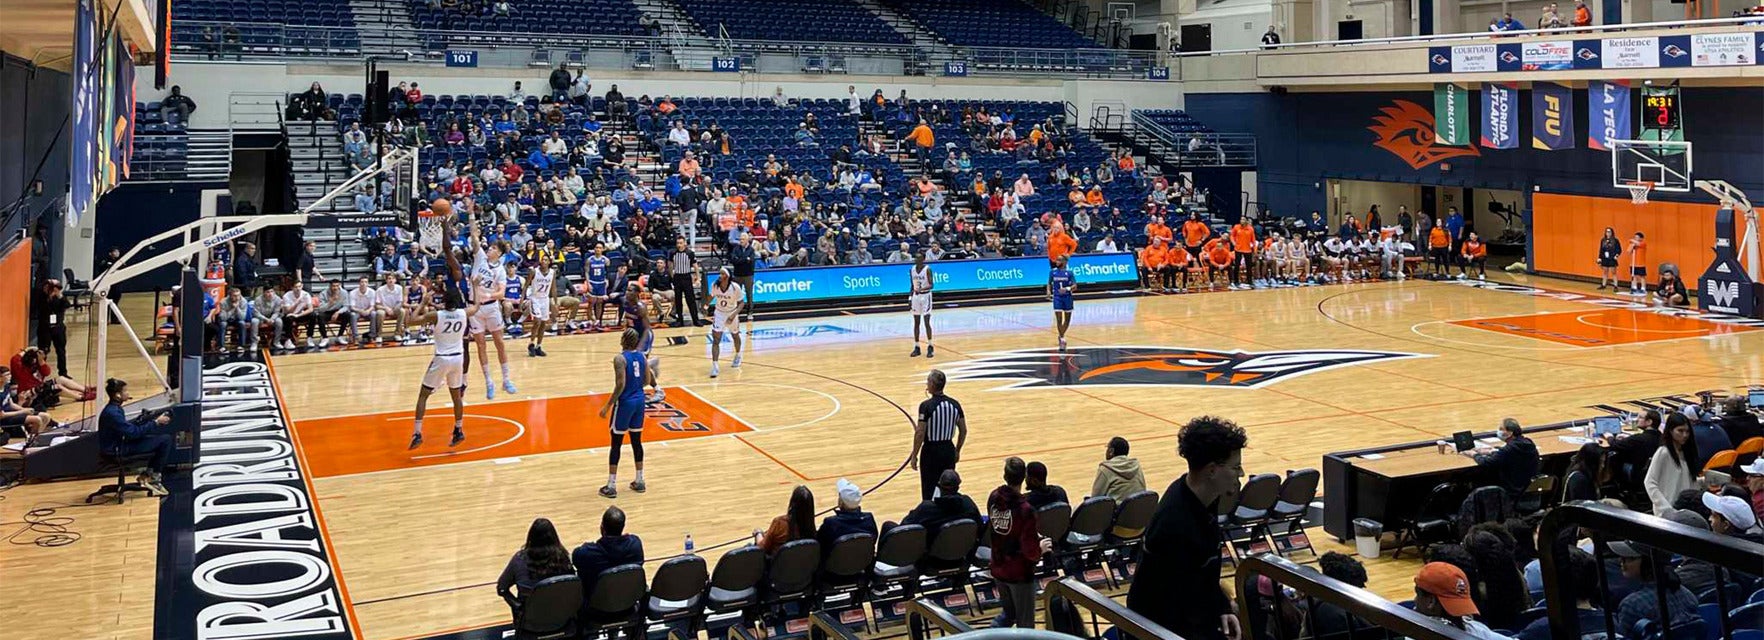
(688, 543)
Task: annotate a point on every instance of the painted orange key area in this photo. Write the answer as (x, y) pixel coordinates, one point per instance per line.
(377, 441)
(1602, 327)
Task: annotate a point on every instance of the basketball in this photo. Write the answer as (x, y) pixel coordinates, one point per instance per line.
(442, 206)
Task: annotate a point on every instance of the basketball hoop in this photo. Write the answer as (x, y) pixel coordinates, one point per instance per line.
(1638, 190)
(431, 229)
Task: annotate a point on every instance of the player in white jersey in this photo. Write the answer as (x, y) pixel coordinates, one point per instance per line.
(920, 298)
(727, 298)
(448, 367)
(1298, 262)
(389, 304)
(540, 289)
(489, 287)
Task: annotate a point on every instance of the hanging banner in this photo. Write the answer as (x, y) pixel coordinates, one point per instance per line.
(1451, 115)
(82, 190)
(1499, 123)
(1607, 113)
(1552, 116)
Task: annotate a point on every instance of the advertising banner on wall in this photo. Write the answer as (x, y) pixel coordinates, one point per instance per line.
(1451, 119)
(1546, 56)
(1607, 113)
(1722, 49)
(1676, 51)
(1499, 121)
(1552, 116)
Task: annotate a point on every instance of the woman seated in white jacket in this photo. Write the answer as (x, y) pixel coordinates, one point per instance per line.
(1670, 472)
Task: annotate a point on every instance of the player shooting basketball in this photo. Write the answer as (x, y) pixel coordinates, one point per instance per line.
(539, 291)
(447, 367)
(488, 290)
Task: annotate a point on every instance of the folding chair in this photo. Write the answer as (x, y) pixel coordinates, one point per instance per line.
(1296, 494)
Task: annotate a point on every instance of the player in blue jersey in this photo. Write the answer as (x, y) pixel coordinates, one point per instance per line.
(1060, 286)
(632, 314)
(596, 267)
(631, 371)
(514, 299)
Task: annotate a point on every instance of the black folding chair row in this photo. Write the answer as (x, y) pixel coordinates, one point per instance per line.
(1269, 515)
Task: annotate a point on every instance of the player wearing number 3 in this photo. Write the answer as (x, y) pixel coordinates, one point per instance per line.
(631, 372)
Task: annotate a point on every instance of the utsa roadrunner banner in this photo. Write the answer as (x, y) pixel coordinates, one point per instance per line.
(1607, 113)
(259, 566)
(1451, 114)
(1500, 123)
(1552, 116)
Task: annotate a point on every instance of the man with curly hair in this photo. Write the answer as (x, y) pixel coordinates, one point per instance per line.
(1178, 581)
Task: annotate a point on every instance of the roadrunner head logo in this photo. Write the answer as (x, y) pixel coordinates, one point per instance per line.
(1156, 366)
(1406, 130)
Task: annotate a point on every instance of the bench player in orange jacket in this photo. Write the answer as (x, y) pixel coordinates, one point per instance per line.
(1474, 254)
(1243, 248)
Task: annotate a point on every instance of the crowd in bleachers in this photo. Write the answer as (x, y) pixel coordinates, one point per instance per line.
(984, 23)
(601, 17)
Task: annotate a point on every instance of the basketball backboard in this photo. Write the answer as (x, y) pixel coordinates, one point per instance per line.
(1664, 164)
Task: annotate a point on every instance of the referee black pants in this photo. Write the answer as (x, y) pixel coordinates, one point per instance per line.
(54, 336)
(934, 459)
(686, 298)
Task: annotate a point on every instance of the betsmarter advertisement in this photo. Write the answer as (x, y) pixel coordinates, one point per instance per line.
(893, 279)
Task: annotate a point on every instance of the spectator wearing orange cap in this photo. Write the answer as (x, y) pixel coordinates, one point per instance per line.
(1443, 592)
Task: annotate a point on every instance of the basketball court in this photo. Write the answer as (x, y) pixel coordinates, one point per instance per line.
(419, 536)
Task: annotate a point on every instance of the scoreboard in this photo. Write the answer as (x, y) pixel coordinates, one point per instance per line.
(1660, 108)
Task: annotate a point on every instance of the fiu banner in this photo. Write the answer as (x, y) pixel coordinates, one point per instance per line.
(1499, 121)
(1451, 108)
(1552, 116)
(1607, 113)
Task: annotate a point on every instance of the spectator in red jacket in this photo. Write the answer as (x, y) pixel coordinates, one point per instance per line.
(33, 379)
(1016, 547)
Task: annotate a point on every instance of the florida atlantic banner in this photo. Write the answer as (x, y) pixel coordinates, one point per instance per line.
(1552, 116)
(1451, 114)
(1499, 121)
(1607, 113)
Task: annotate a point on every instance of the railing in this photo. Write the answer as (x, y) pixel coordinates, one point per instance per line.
(1361, 605)
(1100, 607)
(922, 616)
(822, 626)
(1486, 35)
(1197, 149)
(257, 41)
(1725, 552)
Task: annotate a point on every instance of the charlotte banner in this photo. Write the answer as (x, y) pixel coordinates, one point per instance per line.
(103, 111)
(1552, 116)
(1607, 113)
(1451, 108)
(1499, 122)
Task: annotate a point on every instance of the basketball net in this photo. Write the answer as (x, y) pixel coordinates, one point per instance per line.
(431, 230)
(1638, 191)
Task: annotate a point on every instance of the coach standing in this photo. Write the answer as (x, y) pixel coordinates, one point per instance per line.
(680, 265)
(741, 259)
(941, 431)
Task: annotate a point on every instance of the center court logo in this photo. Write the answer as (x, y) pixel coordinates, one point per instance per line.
(1157, 366)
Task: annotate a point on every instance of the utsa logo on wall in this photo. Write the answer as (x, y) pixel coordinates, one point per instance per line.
(1156, 366)
(1407, 131)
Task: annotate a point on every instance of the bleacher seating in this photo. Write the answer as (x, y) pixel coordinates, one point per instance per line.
(991, 23)
(1176, 120)
(161, 148)
(559, 17)
(793, 20)
(315, 27)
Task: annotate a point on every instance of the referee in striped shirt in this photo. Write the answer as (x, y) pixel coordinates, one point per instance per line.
(939, 434)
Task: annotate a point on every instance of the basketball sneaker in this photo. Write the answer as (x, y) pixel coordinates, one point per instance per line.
(915, 352)
(532, 350)
(930, 351)
(458, 437)
(609, 492)
(736, 363)
(540, 350)
(639, 486)
(508, 385)
(714, 370)
(416, 440)
(656, 397)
